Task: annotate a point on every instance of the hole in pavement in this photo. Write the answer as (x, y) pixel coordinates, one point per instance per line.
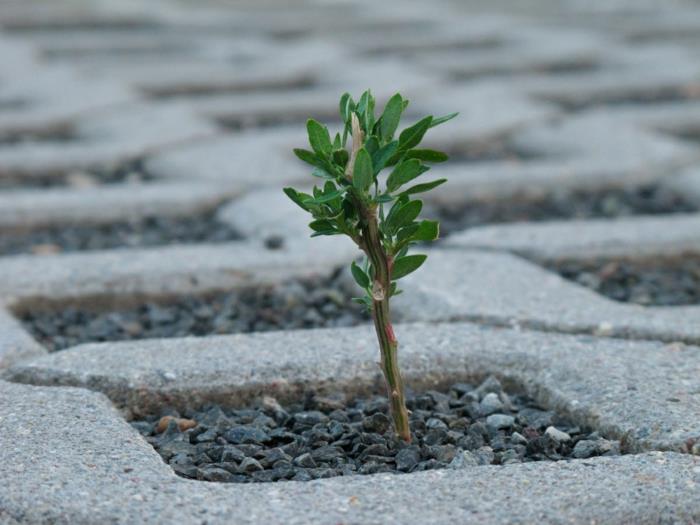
(658, 281)
(131, 172)
(324, 436)
(410, 49)
(314, 302)
(77, 23)
(262, 120)
(58, 134)
(561, 205)
(689, 133)
(154, 230)
(204, 88)
(641, 95)
(143, 51)
(13, 103)
(497, 148)
(555, 67)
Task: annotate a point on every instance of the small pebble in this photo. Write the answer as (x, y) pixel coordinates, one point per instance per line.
(182, 424)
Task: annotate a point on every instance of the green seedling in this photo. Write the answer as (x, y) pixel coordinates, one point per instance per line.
(379, 212)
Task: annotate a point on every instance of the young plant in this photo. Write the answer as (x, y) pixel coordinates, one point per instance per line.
(379, 214)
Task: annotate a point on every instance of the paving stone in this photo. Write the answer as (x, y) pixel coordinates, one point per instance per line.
(15, 342)
(635, 73)
(688, 182)
(503, 289)
(553, 96)
(47, 95)
(25, 210)
(585, 239)
(644, 393)
(107, 138)
(269, 213)
(587, 153)
(261, 158)
(159, 271)
(519, 50)
(100, 469)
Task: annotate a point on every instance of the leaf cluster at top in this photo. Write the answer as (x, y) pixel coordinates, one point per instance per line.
(375, 176)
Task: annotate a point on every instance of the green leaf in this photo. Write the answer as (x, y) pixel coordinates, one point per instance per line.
(442, 120)
(319, 138)
(426, 186)
(328, 232)
(361, 278)
(403, 216)
(307, 156)
(411, 136)
(403, 173)
(427, 155)
(382, 156)
(369, 114)
(322, 174)
(385, 197)
(321, 225)
(391, 116)
(362, 175)
(405, 265)
(407, 232)
(297, 197)
(372, 145)
(365, 301)
(361, 107)
(341, 157)
(326, 197)
(346, 106)
(427, 231)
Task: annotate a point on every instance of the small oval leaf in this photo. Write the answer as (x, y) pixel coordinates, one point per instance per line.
(405, 265)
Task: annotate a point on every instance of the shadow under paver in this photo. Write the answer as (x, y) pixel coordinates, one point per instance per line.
(73, 458)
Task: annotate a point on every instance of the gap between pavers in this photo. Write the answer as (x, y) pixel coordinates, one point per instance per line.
(647, 394)
(504, 289)
(72, 459)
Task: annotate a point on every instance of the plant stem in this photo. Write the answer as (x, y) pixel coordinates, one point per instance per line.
(388, 345)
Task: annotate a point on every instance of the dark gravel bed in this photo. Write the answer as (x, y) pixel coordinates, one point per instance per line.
(128, 173)
(149, 231)
(494, 149)
(305, 303)
(56, 134)
(631, 97)
(563, 205)
(324, 437)
(654, 282)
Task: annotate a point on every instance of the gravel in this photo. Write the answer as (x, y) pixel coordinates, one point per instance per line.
(127, 173)
(562, 205)
(149, 231)
(323, 437)
(649, 282)
(320, 301)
